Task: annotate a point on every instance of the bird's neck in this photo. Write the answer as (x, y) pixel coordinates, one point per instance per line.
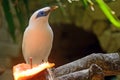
(39, 24)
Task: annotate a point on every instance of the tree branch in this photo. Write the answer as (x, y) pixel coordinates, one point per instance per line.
(93, 73)
(110, 63)
(91, 67)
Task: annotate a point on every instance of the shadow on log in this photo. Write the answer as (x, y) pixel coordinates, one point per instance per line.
(93, 73)
(91, 67)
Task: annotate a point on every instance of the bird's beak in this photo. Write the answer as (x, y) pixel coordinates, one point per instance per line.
(52, 8)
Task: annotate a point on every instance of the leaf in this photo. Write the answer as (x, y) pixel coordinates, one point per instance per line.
(26, 2)
(108, 13)
(9, 18)
(85, 3)
(19, 14)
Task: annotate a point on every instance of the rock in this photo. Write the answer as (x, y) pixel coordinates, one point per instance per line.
(99, 27)
(87, 22)
(9, 49)
(109, 41)
(7, 75)
(6, 62)
(97, 14)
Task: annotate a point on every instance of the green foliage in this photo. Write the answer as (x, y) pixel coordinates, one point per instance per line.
(22, 10)
(9, 18)
(18, 10)
(108, 12)
(85, 3)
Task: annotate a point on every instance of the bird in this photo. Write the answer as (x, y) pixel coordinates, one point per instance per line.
(38, 37)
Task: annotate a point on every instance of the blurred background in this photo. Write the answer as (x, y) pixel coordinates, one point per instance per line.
(79, 30)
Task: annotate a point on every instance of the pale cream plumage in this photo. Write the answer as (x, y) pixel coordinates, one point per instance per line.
(38, 37)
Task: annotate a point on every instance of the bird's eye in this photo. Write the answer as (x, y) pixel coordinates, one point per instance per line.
(41, 13)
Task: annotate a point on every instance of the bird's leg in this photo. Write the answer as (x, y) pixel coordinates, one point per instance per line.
(30, 59)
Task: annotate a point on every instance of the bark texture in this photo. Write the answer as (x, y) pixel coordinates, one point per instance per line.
(91, 67)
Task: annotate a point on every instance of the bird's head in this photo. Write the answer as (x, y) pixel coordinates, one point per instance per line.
(42, 14)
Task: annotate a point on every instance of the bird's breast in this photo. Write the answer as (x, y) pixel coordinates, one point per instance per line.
(37, 42)
(37, 36)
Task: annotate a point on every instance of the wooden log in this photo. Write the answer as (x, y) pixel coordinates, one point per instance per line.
(91, 67)
(93, 73)
(110, 63)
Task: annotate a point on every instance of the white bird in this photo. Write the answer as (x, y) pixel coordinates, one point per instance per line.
(38, 37)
